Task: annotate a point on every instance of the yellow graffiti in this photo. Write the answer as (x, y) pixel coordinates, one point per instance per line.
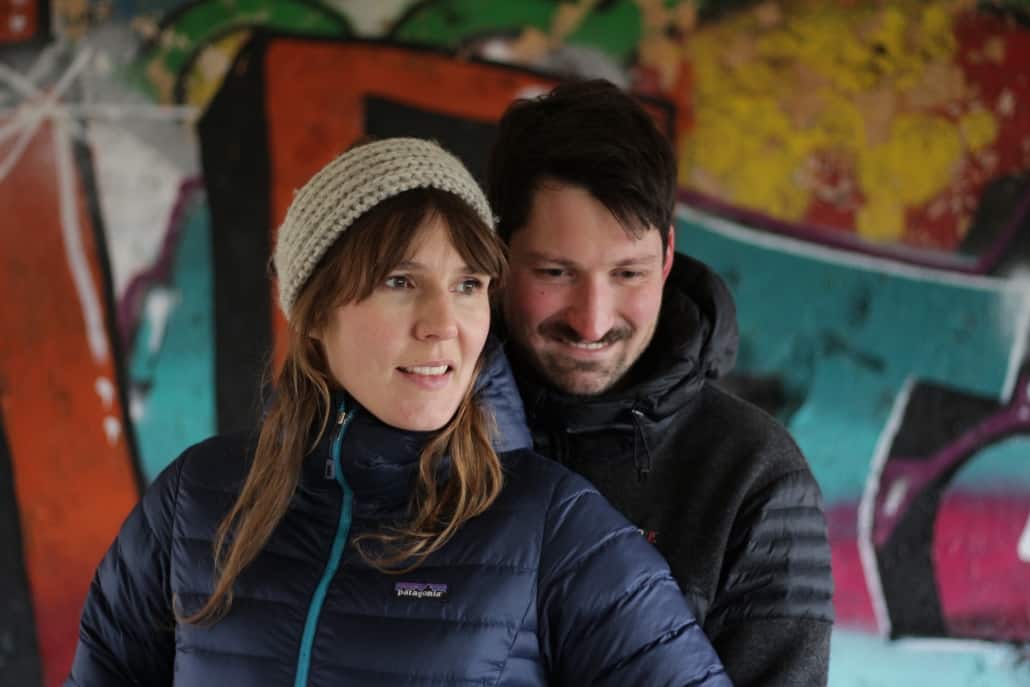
(911, 167)
(209, 69)
(979, 129)
(776, 92)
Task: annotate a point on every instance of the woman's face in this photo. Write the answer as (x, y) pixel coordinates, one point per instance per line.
(407, 352)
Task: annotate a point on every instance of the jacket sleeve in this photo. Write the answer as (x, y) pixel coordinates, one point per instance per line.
(126, 635)
(611, 612)
(772, 616)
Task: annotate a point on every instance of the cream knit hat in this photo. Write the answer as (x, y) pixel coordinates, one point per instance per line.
(351, 185)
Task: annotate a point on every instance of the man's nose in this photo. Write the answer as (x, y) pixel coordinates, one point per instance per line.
(436, 318)
(591, 313)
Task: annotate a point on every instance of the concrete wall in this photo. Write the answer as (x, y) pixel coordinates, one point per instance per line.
(858, 172)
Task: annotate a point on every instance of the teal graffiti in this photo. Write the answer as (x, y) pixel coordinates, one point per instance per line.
(172, 367)
(844, 338)
(858, 659)
(1001, 468)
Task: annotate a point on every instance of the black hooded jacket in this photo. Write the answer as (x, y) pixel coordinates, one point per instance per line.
(716, 483)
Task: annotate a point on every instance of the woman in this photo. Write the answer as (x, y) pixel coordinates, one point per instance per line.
(391, 525)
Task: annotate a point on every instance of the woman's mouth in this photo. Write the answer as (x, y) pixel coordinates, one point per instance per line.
(427, 370)
(429, 376)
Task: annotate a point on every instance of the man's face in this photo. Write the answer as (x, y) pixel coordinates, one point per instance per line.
(584, 296)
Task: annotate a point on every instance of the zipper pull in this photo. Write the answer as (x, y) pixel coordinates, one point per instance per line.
(330, 466)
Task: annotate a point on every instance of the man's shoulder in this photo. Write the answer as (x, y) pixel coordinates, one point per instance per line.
(754, 513)
(724, 429)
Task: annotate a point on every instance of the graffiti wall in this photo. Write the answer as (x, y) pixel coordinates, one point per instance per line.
(858, 172)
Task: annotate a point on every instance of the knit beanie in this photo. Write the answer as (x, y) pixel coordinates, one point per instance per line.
(351, 185)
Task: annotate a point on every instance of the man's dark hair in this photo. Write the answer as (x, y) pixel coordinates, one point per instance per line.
(589, 134)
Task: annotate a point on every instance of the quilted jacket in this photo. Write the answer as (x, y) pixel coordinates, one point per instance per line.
(549, 587)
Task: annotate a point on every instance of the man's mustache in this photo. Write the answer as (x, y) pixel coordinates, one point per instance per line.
(563, 332)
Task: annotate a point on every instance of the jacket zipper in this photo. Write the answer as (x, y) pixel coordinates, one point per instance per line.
(333, 470)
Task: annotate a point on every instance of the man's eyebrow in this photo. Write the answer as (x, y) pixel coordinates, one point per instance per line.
(537, 256)
(635, 261)
(638, 261)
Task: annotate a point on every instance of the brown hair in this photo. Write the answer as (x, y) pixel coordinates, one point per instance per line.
(589, 134)
(350, 271)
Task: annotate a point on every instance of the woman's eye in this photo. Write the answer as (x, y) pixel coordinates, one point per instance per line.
(470, 285)
(397, 281)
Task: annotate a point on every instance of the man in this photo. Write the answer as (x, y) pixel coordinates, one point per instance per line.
(615, 340)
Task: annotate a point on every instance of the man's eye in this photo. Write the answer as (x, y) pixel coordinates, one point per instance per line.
(398, 281)
(629, 275)
(470, 286)
(550, 272)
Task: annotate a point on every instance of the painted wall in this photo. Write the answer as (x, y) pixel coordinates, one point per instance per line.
(859, 172)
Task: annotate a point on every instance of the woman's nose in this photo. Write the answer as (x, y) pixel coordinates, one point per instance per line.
(436, 318)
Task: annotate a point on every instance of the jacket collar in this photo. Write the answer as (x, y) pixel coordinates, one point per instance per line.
(380, 462)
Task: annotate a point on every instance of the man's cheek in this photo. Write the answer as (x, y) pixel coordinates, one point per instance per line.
(642, 308)
(534, 302)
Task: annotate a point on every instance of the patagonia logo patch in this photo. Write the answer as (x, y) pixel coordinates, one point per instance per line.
(420, 590)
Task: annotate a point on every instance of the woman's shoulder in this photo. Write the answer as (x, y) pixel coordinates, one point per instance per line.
(529, 473)
(524, 468)
(578, 524)
(218, 463)
(199, 485)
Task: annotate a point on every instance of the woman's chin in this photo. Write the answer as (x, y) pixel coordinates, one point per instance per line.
(428, 419)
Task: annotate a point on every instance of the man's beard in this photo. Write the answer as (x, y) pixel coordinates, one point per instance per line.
(582, 377)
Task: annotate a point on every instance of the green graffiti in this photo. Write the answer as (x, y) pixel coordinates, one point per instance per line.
(187, 30)
(614, 27)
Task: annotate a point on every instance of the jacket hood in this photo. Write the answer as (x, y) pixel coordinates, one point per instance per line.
(497, 390)
(695, 341)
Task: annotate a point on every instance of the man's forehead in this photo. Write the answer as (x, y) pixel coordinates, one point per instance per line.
(575, 240)
(550, 194)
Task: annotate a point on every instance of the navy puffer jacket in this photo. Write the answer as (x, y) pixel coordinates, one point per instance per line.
(549, 587)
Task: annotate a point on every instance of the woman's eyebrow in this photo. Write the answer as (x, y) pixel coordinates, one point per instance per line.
(415, 266)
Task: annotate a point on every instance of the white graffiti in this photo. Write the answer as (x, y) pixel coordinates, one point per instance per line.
(895, 496)
(866, 506)
(66, 120)
(113, 429)
(1023, 548)
(75, 252)
(105, 390)
(160, 304)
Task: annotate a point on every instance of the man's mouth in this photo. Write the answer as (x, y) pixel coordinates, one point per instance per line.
(567, 336)
(588, 346)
